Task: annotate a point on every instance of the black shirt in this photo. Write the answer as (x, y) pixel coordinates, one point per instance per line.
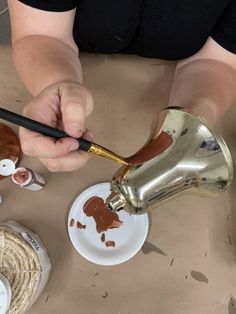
(168, 29)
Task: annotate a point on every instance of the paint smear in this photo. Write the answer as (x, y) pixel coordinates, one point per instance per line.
(197, 275)
(105, 294)
(103, 238)
(80, 225)
(149, 247)
(104, 218)
(110, 243)
(232, 306)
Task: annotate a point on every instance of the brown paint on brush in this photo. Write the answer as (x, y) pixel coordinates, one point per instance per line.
(72, 222)
(104, 218)
(152, 149)
(110, 243)
(80, 225)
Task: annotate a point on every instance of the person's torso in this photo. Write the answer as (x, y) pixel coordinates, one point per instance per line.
(170, 29)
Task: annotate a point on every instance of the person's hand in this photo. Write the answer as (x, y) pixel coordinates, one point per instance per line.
(65, 106)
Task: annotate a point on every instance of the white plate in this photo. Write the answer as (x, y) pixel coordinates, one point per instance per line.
(129, 237)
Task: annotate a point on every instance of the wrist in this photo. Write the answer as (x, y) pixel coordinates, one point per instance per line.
(205, 109)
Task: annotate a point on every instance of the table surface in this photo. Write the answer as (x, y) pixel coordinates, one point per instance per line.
(187, 264)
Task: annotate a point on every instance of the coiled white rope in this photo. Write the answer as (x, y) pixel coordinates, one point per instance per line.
(4, 9)
(20, 265)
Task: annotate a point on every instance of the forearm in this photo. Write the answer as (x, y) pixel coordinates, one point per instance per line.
(206, 87)
(42, 61)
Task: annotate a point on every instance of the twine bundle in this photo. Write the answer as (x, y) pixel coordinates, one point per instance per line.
(3, 6)
(20, 265)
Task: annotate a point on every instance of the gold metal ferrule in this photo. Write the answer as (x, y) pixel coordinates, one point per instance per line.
(103, 152)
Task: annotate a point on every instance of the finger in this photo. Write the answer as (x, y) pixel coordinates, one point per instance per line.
(71, 162)
(36, 145)
(88, 135)
(45, 109)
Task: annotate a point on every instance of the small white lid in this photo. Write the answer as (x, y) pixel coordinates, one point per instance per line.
(5, 295)
(7, 167)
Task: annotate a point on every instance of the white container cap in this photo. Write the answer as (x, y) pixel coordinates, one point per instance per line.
(5, 295)
(7, 167)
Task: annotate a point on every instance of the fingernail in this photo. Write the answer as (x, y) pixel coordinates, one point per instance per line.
(73, 147)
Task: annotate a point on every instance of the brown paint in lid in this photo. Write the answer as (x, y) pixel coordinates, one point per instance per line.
(21, 176)
(9, 145)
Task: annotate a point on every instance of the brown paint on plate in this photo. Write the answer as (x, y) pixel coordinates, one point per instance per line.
(80, 225)
(104, 218)
(103, 237)
(110, 243)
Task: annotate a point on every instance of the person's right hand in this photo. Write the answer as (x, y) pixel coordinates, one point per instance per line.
(63, 105)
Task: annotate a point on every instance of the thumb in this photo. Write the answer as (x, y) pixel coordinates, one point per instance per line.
(73, 116)
(76, 105)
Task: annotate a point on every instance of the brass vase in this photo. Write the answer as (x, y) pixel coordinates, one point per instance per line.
(184, 155)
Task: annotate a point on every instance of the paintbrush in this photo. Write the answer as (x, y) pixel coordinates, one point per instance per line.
(46, 130)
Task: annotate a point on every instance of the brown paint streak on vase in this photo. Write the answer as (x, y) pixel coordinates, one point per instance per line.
(152, 149)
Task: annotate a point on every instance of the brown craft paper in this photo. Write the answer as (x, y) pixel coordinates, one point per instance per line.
(187, 264)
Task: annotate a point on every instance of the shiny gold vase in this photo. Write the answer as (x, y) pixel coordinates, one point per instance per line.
(183, 155)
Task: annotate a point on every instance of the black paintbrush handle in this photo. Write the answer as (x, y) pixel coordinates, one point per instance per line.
(40, 127)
